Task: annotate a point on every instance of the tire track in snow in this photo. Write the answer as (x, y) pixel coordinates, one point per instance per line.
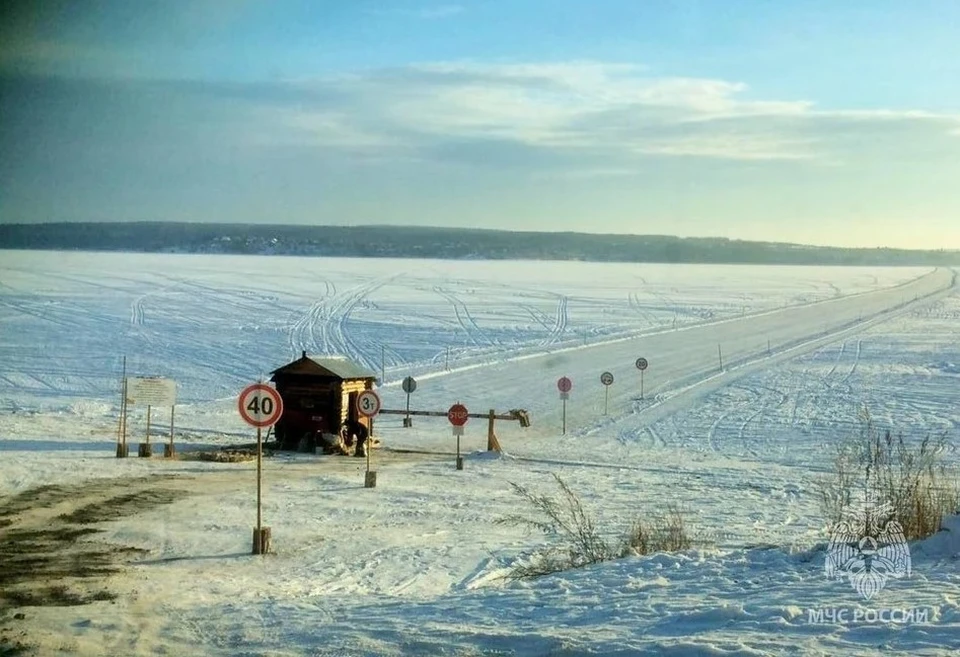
(477, 336)
(633, 299)
(560, 326)
(324, 327)
(764, 407)
(836, 362)
(856, 362)
(136, 311)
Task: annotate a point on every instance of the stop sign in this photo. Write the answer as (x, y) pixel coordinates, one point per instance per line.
(458, 415)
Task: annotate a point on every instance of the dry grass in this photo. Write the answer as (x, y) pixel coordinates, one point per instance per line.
(576, 540)
(666, 533)
(879, 467)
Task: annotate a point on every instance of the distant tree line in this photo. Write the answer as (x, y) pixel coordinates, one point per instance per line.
(442, 243)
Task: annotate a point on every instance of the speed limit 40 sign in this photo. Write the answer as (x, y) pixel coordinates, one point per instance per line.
(260, 405)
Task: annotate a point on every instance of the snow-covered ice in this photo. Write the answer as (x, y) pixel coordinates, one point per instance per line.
(413, 566)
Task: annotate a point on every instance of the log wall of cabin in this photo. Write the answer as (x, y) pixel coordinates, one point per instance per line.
(346, 389)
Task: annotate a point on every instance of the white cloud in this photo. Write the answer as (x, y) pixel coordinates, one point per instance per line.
(733, 147)
(615, 113)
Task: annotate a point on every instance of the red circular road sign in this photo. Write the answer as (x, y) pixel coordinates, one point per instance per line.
(564, 384)
(368, 403)
(458, 415)
(642, 364)
(260, 405)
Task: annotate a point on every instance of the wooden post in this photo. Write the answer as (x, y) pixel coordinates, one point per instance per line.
(447, 362)
(491, 437)
(720, 354)
(459, 458)
(564, 416)
(383, 364)
(259, 478)
(641, 384)
(768, 347)
(146, 450)
(606, 397)
(168, 450)
(261, 534)
(407, 422)
(125, 408)
(370, 478)
(123, 379)
(122, 450)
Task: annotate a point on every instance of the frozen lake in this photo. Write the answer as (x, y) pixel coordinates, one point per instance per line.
(412, 566)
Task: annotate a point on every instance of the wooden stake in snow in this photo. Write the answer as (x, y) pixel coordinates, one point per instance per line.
(720, 355)
(146, 450)
(493, 445)
(122, 450)
(168, 450)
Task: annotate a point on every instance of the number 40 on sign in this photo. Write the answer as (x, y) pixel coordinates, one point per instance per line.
(260, 405)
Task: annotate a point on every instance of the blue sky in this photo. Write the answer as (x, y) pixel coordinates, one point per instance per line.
(808, 121)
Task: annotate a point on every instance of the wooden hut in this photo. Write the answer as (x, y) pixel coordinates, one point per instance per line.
(319, 395)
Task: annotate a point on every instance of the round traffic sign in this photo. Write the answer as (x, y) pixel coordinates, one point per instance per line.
(368, 403)
(606, 378)
(564, 384)
(260, 405)
(458, 415)
(642, 363)
(409, 384)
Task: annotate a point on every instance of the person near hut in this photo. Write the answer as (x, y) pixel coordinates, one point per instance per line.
(355, 433)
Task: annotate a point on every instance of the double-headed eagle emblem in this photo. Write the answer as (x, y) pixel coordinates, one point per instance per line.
(867, 547)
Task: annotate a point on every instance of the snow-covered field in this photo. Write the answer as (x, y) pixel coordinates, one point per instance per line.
(412, 566)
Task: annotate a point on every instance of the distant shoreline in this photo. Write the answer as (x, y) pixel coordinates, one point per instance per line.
(402, 242)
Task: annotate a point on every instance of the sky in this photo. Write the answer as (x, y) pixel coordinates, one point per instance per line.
(810, 121)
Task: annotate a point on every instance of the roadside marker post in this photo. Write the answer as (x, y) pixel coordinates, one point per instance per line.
(368, 405)
(260, 406)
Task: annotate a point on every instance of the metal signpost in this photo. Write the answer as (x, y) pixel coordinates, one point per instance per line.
(409, 386)
(642, 365)
(458, 416)
(260, 406)
(564, 385)
(368, 405)
(607, 380)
